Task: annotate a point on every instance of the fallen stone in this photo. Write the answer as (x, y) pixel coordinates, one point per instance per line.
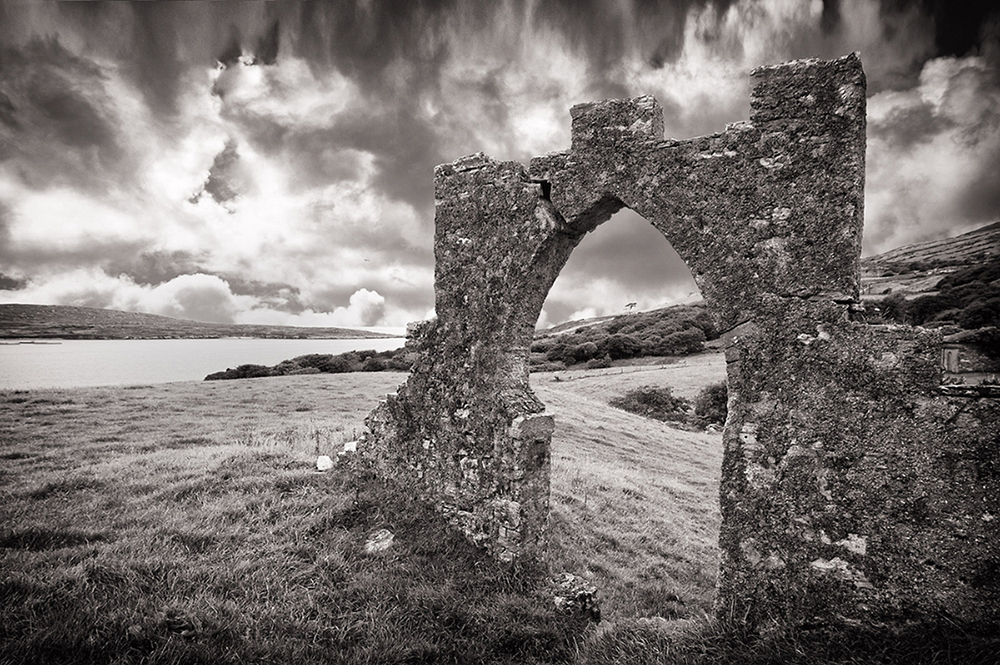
(574, 595)
(324, 463)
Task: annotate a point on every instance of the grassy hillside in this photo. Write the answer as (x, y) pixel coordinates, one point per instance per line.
(916, 269)
(50, 321)
(634, 501)
(186, 523)
(967, 298)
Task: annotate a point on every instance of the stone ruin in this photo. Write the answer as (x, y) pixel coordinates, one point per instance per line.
(854, 485)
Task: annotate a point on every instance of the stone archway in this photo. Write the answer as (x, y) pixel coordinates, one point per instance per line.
(768, 217)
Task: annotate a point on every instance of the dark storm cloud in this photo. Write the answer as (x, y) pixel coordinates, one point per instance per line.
(362, 39)
(11, 283)
(958, 24)
(317, 163)
(57, 117)
(147, 32)
(830, 20)
(273, 295)
(266, 52)
(88, 252)
(5, 253)
(158, 43)
(405, 148)
(607, 32)
(979, 200)
(957, 28)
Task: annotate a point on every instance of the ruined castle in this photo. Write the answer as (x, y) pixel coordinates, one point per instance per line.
(854, 484)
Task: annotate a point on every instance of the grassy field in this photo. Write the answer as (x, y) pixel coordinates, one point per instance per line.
(186, 523)
(634, 502)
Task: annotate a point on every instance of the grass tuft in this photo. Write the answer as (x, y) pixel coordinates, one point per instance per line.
(40, 538)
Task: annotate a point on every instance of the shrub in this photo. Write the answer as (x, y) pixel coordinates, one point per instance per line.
(652, 345)
(892, 308)
(295, 371)
(981, 315)
(689, 340)
(622, 346)
(616, 324)
(339, 364)
(712, 403)
(558, 353)
(657, 402)
(585, 351)
(542, 345)
(599, 363)
(401, 361)
(320, 361)
(241, 372)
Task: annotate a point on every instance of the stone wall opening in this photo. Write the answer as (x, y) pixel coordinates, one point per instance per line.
(623, 262)
(633, 501)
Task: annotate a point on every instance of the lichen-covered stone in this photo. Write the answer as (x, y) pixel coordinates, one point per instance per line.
(877, 492)
(853, 484)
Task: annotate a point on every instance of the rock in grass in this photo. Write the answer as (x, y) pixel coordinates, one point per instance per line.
(573, 595)
(324, 463)
(379, 541)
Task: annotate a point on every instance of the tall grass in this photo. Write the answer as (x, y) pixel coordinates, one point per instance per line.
(185, 523)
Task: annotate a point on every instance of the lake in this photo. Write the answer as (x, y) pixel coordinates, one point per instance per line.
(108, 362)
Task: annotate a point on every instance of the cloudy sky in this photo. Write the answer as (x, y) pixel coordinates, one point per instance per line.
(272, 162)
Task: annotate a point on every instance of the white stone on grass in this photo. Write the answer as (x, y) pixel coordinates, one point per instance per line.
(379, 541)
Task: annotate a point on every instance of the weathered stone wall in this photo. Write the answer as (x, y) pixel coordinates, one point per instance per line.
(852, 485)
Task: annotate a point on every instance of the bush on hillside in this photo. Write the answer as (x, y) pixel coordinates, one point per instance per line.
(368, 360)
(970, 297)
(584, 352)
(558, 353)
(620, 346)
(599, 363)
(677, 330)
(657, 402)
(712, 403)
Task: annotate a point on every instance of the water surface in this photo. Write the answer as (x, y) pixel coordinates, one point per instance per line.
(108, 362)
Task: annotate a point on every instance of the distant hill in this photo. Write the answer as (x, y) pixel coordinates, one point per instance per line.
(911, 272)
(64, 322)
(916, 269)
(572, 326)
